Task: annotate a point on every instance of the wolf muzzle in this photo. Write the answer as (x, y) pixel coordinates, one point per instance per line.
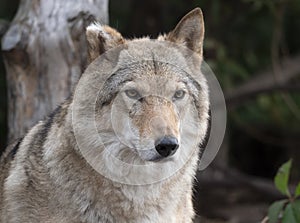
(166, 146)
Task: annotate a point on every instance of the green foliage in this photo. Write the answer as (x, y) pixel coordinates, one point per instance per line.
(289, 214)
(275, 210)
(288, 210)
(282, 178)
(297, 193)
(296, 209)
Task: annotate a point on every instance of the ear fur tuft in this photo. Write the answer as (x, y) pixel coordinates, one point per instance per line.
(101, 38)
(189, 31)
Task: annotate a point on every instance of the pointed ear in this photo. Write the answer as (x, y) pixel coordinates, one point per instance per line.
(101, 38)
(189, 31)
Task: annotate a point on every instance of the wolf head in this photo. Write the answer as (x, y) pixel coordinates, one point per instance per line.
(155, 98)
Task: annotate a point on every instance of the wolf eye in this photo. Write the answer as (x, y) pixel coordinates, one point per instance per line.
(132, 93)
(179, 94)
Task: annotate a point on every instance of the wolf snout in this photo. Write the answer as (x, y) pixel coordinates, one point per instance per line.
(166, 146)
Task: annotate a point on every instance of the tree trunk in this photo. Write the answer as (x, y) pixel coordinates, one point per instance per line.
(45, 53)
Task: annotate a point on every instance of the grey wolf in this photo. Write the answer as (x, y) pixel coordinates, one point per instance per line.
(151, 113)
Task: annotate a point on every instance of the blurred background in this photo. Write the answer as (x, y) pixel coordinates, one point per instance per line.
(253, 47)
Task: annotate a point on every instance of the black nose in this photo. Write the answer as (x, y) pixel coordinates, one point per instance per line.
(166, 146)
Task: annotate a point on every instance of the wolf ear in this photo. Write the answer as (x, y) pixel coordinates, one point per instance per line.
(189, 31)
(101, 38)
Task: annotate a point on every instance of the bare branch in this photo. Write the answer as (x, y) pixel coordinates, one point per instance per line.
(265, 82)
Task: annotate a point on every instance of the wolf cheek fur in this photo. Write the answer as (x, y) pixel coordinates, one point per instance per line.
(45, 177)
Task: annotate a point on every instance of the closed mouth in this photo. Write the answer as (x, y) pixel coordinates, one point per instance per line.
(161, 159)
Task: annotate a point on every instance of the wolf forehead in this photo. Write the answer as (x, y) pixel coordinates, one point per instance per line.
(152, 72)
(148, 58)
(152, 75)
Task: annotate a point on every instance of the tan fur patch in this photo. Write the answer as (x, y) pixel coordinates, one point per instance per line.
(157, 118)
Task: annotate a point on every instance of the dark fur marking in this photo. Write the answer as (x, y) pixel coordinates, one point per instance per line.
(40, 137)
(36, 148)
(141, 99)
(203, 144)
(48, 123)
(108, 100)
(113, 88)
(101, 44)
(193, 81)
(26, 171)
(154, 64)
(14, 151)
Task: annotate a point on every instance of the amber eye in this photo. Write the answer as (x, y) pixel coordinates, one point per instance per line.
(179, 94)
(132, 93)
